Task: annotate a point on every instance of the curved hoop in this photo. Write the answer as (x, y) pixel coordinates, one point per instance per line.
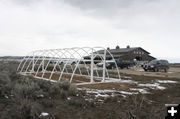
(42, 58)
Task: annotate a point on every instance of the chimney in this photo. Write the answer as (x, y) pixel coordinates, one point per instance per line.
(117, 47)
(108, 48)
(128, 46)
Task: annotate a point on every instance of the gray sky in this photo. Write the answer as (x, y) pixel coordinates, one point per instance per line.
(27, 25)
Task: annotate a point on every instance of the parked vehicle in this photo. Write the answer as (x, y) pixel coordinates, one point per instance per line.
(156, 65)
(110, 64)
(122, 64)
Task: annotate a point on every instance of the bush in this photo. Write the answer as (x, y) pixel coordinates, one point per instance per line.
(25, 110)
(43, 85)
(73, 90)
(111, 99)
(4, 84)
(78, 102)
(8, 66)
(57, 89)
(26, 89)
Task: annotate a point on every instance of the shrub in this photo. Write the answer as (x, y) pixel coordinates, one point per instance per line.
(26, 89)
(26, 109)
(65, 85)
(111, 99)
(79, 102)
(72, 90)
(8, 66)
(57, 90)
(4, 84)
(15, 77)
(43, 85)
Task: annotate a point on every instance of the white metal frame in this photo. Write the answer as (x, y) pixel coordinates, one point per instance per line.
(38, 62)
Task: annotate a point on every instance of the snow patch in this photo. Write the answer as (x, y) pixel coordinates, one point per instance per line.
(40, 96)
(43, 114)
(102, 95)
(99, 91)
(127, 93)
(166, 81)
(143, 91)
(153, 86)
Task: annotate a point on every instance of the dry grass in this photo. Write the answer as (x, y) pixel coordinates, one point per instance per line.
(172, 73)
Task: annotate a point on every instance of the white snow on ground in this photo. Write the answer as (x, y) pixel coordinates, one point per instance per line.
(6, 96)
(143, 91)
(40, 96)
(166, 81)
(109, 81)
(68, 98)
(99, 91)
(128, 81)
(102, 95)
(121, 81)
(128, 93)
(111, 92)
(43, 114)
(153, 86)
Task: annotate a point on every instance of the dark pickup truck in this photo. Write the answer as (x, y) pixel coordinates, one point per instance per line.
(120, 63)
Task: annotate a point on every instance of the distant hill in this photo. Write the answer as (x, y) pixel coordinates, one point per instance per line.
(11, 58)
(175, 64)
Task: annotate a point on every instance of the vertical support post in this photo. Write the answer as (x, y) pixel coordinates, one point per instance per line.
(92, 66)
(104, 66)
(33, 63)
(43, 65)
(43, 58)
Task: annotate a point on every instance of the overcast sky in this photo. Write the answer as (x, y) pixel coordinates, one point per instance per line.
(27, 25)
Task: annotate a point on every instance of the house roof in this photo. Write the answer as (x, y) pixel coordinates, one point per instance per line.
(119, 52)
(123, 50)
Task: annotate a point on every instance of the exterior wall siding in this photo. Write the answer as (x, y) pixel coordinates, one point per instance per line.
(138, 54)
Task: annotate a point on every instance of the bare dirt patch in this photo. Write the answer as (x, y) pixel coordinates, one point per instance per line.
(173, 72)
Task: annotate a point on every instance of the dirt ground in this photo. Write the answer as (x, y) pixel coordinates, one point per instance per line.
(137, 81)
(173, 72)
